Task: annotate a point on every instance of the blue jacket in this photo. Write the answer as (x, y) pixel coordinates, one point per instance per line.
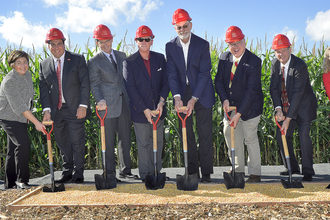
(198, 69)
(145, 91)
(245, 92)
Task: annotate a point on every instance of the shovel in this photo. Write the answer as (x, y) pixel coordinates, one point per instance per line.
(54, 187)
(233, 180)
(156, 181)
(104, 181)
(328, 187)
(186, 182)
(290, 183)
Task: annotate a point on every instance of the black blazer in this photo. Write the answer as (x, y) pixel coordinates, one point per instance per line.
(301, 97)
(145, 91)
(75, 83)
(245, 92)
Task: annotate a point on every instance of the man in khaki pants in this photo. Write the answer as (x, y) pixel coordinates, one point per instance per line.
(238, 83)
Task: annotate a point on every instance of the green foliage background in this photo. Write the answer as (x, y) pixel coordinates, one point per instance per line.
(172, 154)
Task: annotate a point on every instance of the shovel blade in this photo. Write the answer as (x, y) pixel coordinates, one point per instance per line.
(54, 188)
(102, 182)
(153, 182)
(234, 181)
(328, 187)
(187, 182)
(293, 184)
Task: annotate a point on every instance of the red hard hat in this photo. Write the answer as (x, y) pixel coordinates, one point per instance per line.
(234, 34)
(54, 34)
(280, 41)
(180, 15)
(102, 32)
(144, 31)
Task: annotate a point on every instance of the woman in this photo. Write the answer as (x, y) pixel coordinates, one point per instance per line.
(147, 88)
(16, 95)
(326, 68)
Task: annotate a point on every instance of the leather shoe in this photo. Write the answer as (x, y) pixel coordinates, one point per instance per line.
(206, 178)
(307, 177)
(77, 180)
(22, 185)
(286, 172)
(253, 179)
(128, 175)
(64, 179)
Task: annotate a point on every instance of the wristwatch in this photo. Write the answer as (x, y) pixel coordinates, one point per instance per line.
(195, 98)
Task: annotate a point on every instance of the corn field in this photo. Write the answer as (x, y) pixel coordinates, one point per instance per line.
(172, 154)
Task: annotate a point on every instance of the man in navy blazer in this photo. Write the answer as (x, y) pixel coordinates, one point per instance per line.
(188, 68)
(300, 108)
(147, 88)
(64, 94)
(238, 83)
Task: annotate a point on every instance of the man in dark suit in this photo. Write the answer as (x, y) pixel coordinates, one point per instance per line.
(188, 68)
(147, 87)
(64, 94)
(108, 88)
(238, 83)
(295, 104)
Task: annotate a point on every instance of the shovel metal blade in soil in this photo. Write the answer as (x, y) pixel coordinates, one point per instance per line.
(287, 184)
(187, 182)
(234, 180)
(154, 182)
(105, 182)
(328, 187)
(54, 187)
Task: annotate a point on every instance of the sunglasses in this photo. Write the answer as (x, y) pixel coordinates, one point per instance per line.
(140, 39)
(185, 26)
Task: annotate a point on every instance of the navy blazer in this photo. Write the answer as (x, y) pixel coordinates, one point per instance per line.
(75, 83)
(198, 69)
(301, 97)
(245, 92)
(145, 91)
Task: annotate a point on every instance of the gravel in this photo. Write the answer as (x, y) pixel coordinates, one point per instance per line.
(312, 210)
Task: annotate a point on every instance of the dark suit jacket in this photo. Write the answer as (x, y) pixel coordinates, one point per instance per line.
(245, 92)
(75, 83)
(107, 83)
(198, 69)
(144, 91)
(301, 97)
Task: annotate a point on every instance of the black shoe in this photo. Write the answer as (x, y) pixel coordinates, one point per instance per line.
(128, 175)
(22, 185)
(64, 179)
(206, 178)
(77, 180)
(253, 179)
(286, 172)
(307, 177)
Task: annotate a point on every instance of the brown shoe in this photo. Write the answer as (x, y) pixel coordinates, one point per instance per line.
(253, 179)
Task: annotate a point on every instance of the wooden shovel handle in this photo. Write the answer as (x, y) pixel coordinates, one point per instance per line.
(47, 123)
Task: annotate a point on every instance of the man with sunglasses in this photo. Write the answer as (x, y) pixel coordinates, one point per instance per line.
(238, 83)
(108, 88)
(147, 87)
(188, 68)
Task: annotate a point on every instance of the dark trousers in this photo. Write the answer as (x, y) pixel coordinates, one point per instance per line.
(121, 127)
(18, 152)
(69, 135)
(202, 156)
(306, 146)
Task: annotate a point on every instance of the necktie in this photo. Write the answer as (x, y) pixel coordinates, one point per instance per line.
(113, 62)
(59, 80)
(232, 73)
(284, 95)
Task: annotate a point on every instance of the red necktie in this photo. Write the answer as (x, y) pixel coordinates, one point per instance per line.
(59, 80)
(284, 94)
(232, 73)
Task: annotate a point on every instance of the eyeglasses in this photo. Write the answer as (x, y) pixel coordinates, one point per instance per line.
(60, 44)
(235, 44)
(140, 39)
(185, 26)
(103, 41)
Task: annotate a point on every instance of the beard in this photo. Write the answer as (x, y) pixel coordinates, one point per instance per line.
(184, 35)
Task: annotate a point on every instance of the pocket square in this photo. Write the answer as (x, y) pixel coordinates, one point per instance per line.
(159, 69)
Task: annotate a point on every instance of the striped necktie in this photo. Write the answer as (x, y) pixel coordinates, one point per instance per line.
(232, 73)
(284, 94)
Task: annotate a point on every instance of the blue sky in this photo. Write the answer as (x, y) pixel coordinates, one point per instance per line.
(29, 20)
